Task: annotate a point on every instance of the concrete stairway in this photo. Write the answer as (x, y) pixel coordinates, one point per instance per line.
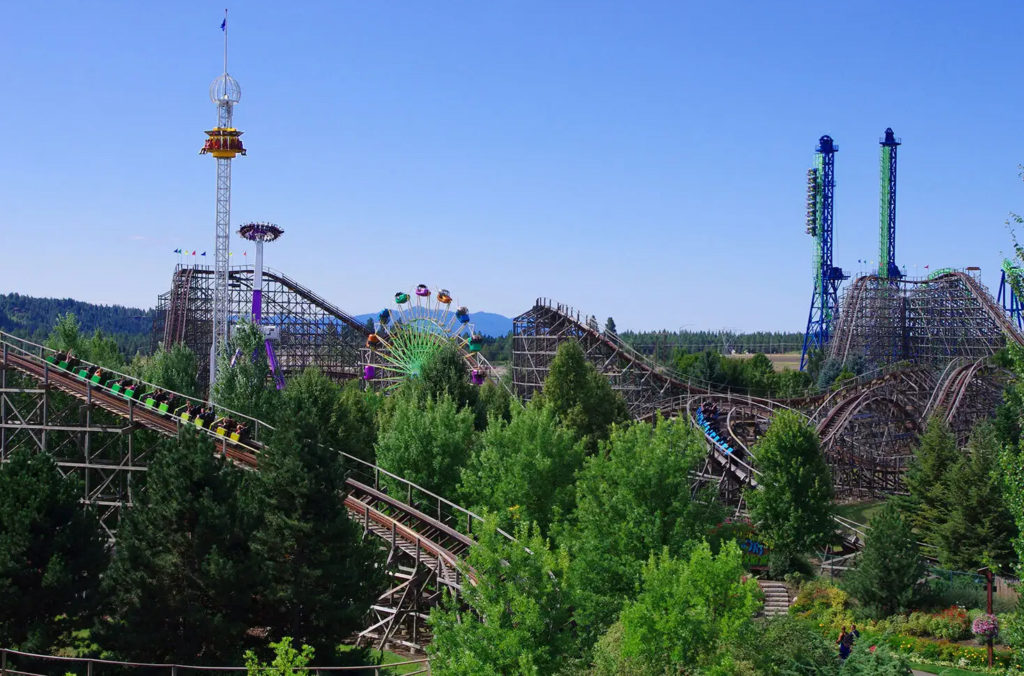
(776, 598)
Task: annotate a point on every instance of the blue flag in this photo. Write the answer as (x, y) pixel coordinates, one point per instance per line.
(224, 25)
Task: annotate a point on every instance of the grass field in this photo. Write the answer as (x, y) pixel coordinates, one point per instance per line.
(861, 512)
(787, 361)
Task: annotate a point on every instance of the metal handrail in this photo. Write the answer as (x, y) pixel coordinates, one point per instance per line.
(42, 349)
(174, 668)
(376, 471)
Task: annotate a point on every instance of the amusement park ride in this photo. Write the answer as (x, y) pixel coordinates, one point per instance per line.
(927, 345)
(224, 143)
(260, 233)
(821, 183)
(420, 326)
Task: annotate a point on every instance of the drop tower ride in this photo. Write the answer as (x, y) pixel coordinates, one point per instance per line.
(821, 185)
(887, 268)
(224, 142)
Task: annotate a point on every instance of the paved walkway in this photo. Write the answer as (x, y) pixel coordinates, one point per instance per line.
(922, 673)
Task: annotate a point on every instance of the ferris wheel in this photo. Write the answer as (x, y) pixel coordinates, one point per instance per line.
(418, 327)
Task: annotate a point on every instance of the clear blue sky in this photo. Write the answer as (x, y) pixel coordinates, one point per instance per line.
(643, 160)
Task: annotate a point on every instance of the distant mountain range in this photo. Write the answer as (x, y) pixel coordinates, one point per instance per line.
(486, 323)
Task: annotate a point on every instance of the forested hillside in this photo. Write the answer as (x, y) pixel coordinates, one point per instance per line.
(34, 318)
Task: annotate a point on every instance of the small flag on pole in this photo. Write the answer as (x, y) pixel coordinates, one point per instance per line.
(926, 267)
(193, 252)
(203, 254)
(224, 23)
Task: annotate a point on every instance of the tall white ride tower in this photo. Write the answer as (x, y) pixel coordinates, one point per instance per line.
(223, 142)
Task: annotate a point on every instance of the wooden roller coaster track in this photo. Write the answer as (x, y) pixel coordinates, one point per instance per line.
(438, 539)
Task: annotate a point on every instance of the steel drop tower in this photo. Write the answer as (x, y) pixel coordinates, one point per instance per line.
(224, 142)
(887, 268)
(827, 278)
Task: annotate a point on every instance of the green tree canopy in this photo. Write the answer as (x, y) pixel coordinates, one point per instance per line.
(524, 469)
(318, 574)
(426, 442)
(66, 335)
(688, 614)
(977, 528)
(445, 373)
(247, 386)
(175, 368)
(887, 572)
(925, 478)
(582, 397)
(51, 552)
(353, 420)
(520, 614)
(633, 498)
(792, 505)
(181, 583)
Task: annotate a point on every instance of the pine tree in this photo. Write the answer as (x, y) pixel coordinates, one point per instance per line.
(318, 575)
(51, 552)
(885, 579)
(977, 528)
(929, 498)
(792, 506)
(181, 584)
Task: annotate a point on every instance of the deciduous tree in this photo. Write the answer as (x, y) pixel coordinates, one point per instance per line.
(426, 442)
(524, 470)
(246, 386)
(792, 505)
(519, 614)
(688, 613)
(633, 498)
(173, 368)
(582, 397)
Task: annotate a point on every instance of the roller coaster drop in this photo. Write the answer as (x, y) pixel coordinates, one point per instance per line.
(932, 352)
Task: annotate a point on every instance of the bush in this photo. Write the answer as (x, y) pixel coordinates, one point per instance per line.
(786, 645)
(961, 590)
(876, 660)
(951, 624)
(823, 604)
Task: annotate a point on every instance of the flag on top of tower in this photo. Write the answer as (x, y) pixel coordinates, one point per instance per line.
(224, 23)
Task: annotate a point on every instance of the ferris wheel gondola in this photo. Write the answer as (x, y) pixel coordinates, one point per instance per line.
(418, 326)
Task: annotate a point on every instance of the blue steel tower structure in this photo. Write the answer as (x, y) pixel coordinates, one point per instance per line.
(887, 268)
(821, 185)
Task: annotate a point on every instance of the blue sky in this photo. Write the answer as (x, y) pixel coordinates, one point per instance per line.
(643, 160)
